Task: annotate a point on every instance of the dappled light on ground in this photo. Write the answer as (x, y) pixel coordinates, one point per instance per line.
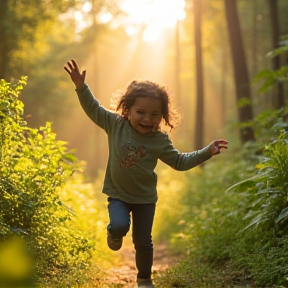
(124, 273)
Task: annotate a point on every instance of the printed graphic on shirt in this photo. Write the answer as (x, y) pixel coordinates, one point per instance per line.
(130, 155)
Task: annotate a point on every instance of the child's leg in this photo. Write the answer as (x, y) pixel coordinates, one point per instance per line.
(143, 215)
(119, 214)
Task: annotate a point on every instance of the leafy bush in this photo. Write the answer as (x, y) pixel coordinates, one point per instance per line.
(34, 166)
(210, 224)
(268, 211)
(217, 232)
(270, 187)
(238, 237)
(270, 77)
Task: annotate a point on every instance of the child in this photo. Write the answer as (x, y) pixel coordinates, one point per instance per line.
(136, 142)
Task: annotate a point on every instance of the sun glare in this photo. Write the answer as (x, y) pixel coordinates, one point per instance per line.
(149, 17)
(154, 15)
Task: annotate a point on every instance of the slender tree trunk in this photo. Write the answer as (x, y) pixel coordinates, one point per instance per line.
(273, 5)
(3, 46)
(177, 65)
(255, 38)
(199, 129)
(223, 90)
(241, 77)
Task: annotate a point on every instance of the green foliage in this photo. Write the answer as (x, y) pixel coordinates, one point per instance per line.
(37, 38)
(240, 236)
(269, 264)
(269, 187)
(20, 23)
(34, 167)
(244, 101)
(270, 77)
(208, 233)
(268, 124)
(278, 51)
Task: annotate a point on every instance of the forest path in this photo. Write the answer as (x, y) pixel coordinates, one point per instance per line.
(124, 274)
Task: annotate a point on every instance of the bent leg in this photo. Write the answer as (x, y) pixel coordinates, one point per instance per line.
(119, 214)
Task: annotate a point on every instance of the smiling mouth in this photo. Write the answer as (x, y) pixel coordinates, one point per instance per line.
(146, 126)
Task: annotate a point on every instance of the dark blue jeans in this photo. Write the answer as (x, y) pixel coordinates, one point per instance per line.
(142, 221)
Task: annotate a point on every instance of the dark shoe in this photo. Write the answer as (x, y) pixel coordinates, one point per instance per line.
(114, 244)
(144, 283)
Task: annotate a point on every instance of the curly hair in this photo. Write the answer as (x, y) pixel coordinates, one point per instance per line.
(145, 88)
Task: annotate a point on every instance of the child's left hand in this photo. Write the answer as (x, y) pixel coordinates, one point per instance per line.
(216, 146)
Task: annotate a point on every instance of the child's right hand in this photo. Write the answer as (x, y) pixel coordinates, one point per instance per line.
(77, 77)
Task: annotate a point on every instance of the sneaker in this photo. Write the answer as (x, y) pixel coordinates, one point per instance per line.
(114, 244)
(144, 283)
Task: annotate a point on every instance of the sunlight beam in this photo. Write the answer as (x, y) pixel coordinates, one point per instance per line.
(154, 15)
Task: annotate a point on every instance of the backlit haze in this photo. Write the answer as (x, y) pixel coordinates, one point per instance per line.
(143, 42)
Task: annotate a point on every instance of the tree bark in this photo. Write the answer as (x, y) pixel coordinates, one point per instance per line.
(241, 77)
(177, 65)
(276, 62)
(199, 124)
(3, 46)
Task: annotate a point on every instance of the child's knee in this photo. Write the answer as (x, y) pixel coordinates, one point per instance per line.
(118, 230)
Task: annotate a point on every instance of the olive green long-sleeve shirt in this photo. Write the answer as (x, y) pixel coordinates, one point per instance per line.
(133, 157)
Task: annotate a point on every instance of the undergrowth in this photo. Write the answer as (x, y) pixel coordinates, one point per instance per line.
(235, 211)
(52, 223)
(234, 219)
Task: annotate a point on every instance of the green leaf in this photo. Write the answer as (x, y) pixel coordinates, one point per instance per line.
(256, 221)
(251, 213)
(247, 182)
(282, 215)
(280, 125)
(243, 102)
(277, 51)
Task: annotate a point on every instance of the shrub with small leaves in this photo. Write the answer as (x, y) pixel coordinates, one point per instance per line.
(34, 166)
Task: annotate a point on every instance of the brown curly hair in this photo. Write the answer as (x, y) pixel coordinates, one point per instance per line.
(144, 88)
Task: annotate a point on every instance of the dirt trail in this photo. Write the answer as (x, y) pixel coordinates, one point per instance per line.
(124, 274)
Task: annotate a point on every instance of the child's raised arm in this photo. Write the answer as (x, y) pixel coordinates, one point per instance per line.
(77, 77)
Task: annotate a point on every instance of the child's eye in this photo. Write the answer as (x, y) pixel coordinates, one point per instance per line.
(140, 112)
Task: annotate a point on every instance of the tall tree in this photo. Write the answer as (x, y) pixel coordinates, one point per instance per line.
(199, 124)
(241, 77)
(3, 46)
(273, 8)
(19, 23)
(177, 63)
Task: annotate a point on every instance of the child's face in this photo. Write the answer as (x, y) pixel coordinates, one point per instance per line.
(145, 113)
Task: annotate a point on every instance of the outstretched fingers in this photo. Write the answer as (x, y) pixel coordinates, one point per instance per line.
(217, 145)
(222, 143)
(72, 69)
(72, 66)
(68, 71)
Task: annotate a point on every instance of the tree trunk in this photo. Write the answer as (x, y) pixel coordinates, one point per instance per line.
(199, 124)
(177, 65)
(3, 46)
(223, 90)
(241, 77)
(273, 5)
(255, 38)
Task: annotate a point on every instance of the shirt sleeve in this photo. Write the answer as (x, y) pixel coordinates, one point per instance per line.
(98, 114)
(183, 161)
